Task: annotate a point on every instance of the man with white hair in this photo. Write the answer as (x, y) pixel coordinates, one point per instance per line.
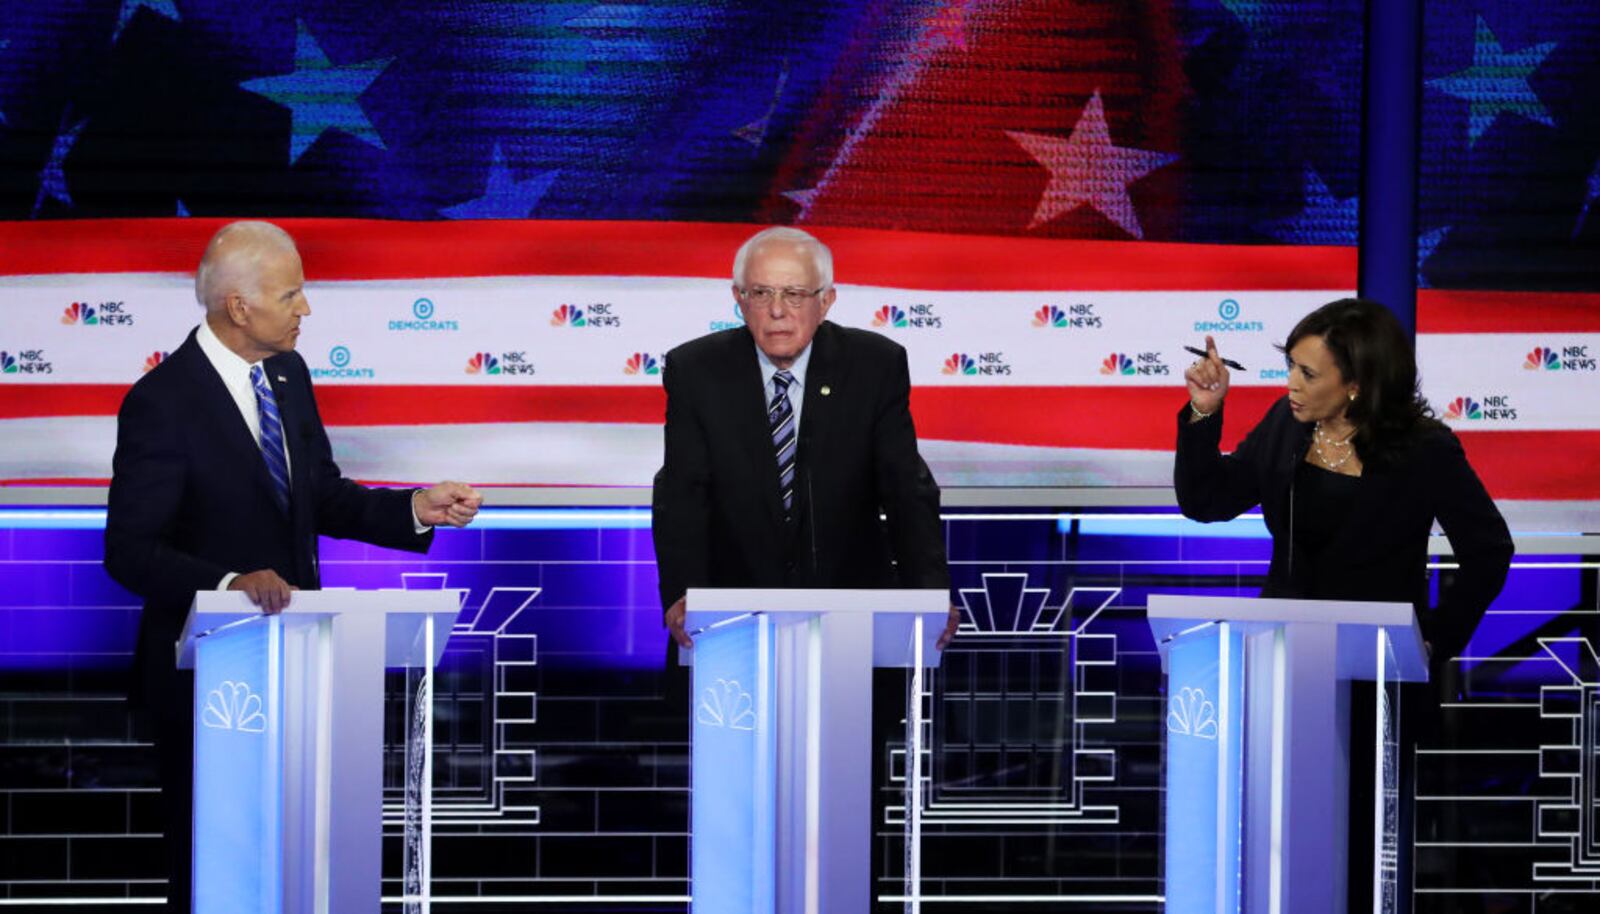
(786, 439)
(223, 479)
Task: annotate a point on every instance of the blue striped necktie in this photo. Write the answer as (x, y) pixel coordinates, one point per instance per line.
(780, 417)
(271, 438)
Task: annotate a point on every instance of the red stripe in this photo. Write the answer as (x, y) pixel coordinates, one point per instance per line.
(1512, 464)
(391, 404)
(355, 249)
(1466, 311)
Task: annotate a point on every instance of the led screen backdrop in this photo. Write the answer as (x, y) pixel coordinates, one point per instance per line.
(511, 211)
(1508, 304)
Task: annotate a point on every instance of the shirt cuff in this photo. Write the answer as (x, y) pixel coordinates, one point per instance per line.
(416, 523)
(226, 580)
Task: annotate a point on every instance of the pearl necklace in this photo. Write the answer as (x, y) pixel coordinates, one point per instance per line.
(1323, 441)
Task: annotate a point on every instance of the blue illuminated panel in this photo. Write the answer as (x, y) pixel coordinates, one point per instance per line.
(733, 804)
(1205, 764)
(238, 759)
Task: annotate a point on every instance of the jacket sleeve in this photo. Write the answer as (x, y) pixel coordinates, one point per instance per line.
(1212, 486)
(681, 498)
(346, 509)
(906, 486)
(1479, 539)
(148, 477)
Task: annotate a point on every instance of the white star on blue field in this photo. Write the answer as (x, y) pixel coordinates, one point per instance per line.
(165, 8)
(53, 177)
(321, 96)
(1497, 83)
(1427, 243)
(504, 197)
(1325, 219)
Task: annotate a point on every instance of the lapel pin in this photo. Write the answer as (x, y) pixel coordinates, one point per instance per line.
(282, 379)
(826, 390)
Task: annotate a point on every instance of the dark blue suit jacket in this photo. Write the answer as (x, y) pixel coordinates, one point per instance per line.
(191, 499)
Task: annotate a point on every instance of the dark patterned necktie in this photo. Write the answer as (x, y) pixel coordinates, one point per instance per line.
(780, 417)
(272, 438)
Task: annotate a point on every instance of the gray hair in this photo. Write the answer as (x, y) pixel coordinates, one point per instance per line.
(231, 257)
(821, 256)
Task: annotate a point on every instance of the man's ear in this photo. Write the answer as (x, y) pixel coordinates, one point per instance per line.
(237, 309)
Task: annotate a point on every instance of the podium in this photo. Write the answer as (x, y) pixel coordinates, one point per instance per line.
(781, 742)
(1257, 747)
(288, 745)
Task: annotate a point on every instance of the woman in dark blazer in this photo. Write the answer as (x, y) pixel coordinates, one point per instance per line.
(1351, 470)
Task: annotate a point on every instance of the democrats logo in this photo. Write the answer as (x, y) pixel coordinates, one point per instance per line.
(105, 314)
(738, 320)
(1565, 358)
(341, 366)
(1229, 319)
(506, 364)
(597, 315)
(28, 361)
(983, 364)
(423, 320)
(1078, 316)
(1146, 364)
(1469, 409)
(889, 316)
(641, 363)
(154, 359)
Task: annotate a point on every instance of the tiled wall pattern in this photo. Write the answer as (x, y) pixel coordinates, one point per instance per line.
(561, 753)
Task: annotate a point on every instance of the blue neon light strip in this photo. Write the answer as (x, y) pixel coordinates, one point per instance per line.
(488, 519)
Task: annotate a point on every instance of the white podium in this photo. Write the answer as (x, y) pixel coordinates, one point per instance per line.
(781, 744)
(1258, 747)
(288, 745)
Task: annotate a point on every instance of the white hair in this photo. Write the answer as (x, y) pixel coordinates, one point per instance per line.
(821, 256)
(232, 256)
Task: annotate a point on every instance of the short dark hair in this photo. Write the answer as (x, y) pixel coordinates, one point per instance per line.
(1371, 349)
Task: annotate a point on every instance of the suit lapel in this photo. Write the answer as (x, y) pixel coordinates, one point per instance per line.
(223, 415)
(751, 414)
(822, 382)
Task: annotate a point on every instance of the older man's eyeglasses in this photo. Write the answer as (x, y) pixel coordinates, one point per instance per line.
(792, 296)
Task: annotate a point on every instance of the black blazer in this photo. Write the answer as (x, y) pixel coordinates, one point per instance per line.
(1381, 553)
(718, 512)
(191, 499)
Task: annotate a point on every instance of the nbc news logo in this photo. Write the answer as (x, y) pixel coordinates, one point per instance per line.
(597, 315)
(1148, 364)
(1565, 358)
(911, 317)
(984, 364)
(28, 361)
(1079, 316)
(506, 363)
(105, 314)
(641, 363)
(1472, 410)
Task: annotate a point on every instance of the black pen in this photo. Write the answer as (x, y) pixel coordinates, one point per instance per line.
(1202, 354)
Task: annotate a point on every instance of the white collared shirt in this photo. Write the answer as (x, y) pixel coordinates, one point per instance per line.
(797, 388)
(235, 373)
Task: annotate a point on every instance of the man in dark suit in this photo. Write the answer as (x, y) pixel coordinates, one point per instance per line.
(223, 479)
(785, 440)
